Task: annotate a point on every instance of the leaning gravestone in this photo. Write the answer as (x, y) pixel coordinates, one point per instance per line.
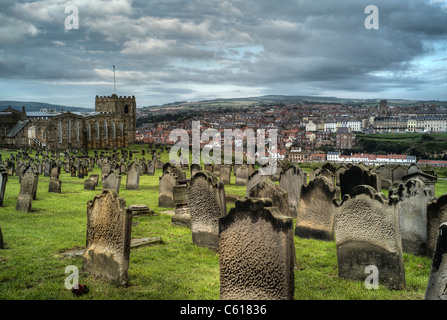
(437, 279)
(315, 219)
(27, 191)
(254, 179)
(3, 180)
(206, 206)
(412, 198)
(109, 224)
(436, 215)
(269, 189)
(256, 252)
(166, 185)
(133, 177)
(291, 179)
(112, 181)
(366, 229)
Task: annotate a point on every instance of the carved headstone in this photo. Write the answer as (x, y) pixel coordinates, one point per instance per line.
(225, 173)
(358, 175)
(256, 252)
(112, 181)
(27, 191)
(269, 189)
(133, 177)
(182, 214)
(109, 224)
(366, 229)
(242, 175)
(436, 215)
(291, 180)
(166, 185)
(437, 279)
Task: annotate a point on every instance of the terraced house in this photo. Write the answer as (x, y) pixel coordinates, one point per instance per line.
(112, 124)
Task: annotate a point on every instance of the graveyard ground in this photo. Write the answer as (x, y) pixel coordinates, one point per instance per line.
(32, 265)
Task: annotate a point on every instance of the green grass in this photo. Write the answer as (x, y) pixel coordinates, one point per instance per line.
(32, 267)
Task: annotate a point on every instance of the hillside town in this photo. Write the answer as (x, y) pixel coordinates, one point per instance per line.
(311, 132)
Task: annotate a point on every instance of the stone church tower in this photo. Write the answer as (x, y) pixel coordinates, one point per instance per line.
(123, 107)
(383, 109)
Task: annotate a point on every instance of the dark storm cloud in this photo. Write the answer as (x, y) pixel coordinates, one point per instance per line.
(190, 45)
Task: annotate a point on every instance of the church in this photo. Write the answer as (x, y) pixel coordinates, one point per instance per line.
(112, 124)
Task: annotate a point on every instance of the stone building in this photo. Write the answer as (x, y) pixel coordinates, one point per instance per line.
(112, 124)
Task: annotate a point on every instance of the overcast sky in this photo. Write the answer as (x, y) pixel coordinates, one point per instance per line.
(176, 50)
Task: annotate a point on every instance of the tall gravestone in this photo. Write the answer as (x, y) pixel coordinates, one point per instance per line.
(437, 279)
(366, 229)
(315, 217)
(436, 215)
(133, 177)
(112, 181)
(291, 180)
(54, 184)
(27, 191)
(256, 252)
(182, 214)
(166, 185)
(242, 175)
(3, 181)
(397, 173)
(225, 174)
(109, 224)
(358, 175)
(385, 176)
(269, 189)
(412, 198)
(206, 200)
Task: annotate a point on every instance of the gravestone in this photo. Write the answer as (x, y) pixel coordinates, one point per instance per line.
(242, 175)
(428, 179)
(385, 177)
(358, 175)
(269, 189)
(195, 168)
(412, 198)
(109, 224)
(397, 173)
(436, 215)
(133, 177)
(437, 279)
(291, 179)
(150, 168)
(206, 200)
(95, 178)
(27, 192)
(256, 252)
(182, 214)
(89, 184)
(112, 181)
(315, 218)
(166, 185)
(254, 179)
(225, 174)
(54, 184)
(2, 245)
(216, 169)
(366, 229)
(106, 168)
(3, 181)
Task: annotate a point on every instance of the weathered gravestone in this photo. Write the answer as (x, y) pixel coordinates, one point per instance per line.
(195, 168)
(166, 185)
(206, 200)
(106, 168)
(358, 175)
(291, 179)
(269, 189)
(397, 173)
(256, 252)
(54, 184)
(133, 177)
(3, 180)
(27, 192)
(150, 168)
(315, 219)
(109, 224)
(412, 198)
(437, 279)
(112, 181)
(89, 184)
(225, 174)
(428, 179)
(366, 229)
(385, 176)
(242, 175)
(182, 214)
(436, 215)
(254, 179)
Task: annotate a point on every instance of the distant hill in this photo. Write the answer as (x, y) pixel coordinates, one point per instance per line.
(277, 99)
(36, 106)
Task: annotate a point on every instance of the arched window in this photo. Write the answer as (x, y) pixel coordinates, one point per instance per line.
(106, 133)
(113, 130)
(69, 129)
(126, 108)
(88, 131)
(60, 131)
(77, 130)
(97, 131)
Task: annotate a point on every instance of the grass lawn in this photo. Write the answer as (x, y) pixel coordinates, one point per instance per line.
(32, 266)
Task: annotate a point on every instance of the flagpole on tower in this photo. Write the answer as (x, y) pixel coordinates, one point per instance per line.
(114, 80)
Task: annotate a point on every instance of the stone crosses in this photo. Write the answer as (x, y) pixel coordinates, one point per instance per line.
(366, 229)
(256, 252)
(206, 200)
(436, 215)
(412, 198)
(437, 279)
(315, 217)
(109, 224)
